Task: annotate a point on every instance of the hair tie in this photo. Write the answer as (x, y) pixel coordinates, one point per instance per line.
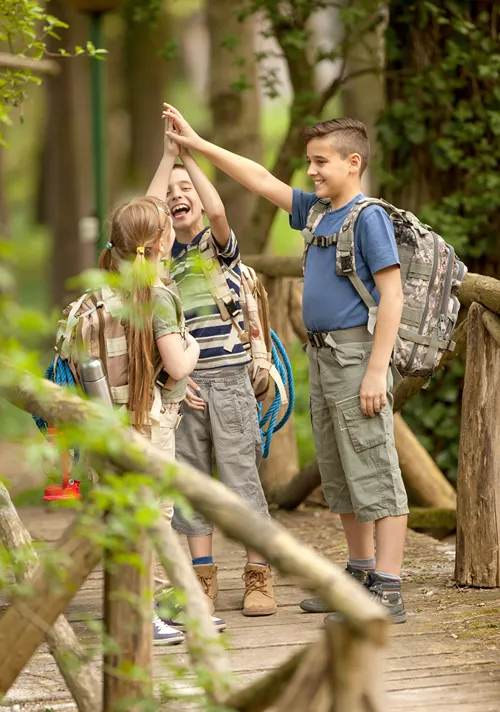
(140, 250)
(109, 245)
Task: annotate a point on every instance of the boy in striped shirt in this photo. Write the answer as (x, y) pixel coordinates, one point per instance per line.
(221, 423)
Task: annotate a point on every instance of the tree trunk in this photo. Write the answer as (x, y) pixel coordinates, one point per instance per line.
(147, 81)
(235, 105)
(425, 483)
(283, 460)
(363, 98)
(478, 482)
(65, 180)
(128, 614)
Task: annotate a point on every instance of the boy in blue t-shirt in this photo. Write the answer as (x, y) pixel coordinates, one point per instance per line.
(349, 375)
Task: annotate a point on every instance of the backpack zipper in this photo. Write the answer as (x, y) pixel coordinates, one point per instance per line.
(426, 308)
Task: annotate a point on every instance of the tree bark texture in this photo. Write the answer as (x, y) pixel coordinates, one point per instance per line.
(234, 98)
(80, 676)
(133, 453)
(478, 481)
(147, 81)
(283, 460)
(128, 615)
(29, 618)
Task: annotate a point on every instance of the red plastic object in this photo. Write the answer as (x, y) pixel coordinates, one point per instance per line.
(69, 489)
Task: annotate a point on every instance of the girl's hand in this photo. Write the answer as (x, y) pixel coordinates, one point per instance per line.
(181, 131)
(193, 396)
(170, 147)
(373, 393)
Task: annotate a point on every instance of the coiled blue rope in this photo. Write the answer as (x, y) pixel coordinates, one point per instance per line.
(267, 421)
(62, 375)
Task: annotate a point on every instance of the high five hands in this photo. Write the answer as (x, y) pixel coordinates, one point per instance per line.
(178, 129)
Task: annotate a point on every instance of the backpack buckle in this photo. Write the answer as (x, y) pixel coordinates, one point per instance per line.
(346, 262)
(232, 308)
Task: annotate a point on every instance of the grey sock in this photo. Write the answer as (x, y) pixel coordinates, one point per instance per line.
(391, 577)
(364, 564)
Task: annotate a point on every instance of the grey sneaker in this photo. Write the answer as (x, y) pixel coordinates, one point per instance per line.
(388, 593)
(317, 605)
(164, 634)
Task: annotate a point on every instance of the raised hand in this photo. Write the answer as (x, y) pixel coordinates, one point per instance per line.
(170, 147)
(181, 131)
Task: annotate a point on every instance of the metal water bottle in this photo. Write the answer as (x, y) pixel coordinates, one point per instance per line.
(95, 381)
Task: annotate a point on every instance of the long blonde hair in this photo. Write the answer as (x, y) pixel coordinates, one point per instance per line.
(136, 231)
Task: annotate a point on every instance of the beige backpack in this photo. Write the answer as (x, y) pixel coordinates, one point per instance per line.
(92, 326)
(256, 334)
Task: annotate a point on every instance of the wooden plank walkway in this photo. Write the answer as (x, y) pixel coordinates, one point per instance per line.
(446, 658)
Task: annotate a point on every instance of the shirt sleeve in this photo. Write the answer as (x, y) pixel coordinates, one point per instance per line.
(301, 204)
(230, 254)
(377, 242)
(165, 317)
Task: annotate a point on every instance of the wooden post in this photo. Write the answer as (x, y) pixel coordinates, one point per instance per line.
(128, 619)
(355, 670)
(29, 618)
(478, 482)
(79, 674)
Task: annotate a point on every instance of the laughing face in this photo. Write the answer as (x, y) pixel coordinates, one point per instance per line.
(184, 203)
(327, 169)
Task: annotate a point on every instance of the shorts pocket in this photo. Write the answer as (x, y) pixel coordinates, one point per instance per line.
(352, 354)
(230, 408)
(365, 432)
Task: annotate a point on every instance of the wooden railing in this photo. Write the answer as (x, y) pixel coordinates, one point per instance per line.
(340, 671)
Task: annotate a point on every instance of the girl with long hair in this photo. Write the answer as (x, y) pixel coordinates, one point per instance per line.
(161, 354)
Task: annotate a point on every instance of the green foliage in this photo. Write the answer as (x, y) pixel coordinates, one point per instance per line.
(439, 134)
(445, 77)
(24, 28)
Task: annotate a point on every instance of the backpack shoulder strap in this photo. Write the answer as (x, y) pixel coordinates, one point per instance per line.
(212, 269)
(316, 212)
(346, 255)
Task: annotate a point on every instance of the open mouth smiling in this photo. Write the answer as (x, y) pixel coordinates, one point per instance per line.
(180, 209)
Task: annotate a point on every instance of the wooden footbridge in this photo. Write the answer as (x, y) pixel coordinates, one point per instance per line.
(446, 658)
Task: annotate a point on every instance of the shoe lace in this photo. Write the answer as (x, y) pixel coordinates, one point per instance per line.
(205, 583)
(255, 581)
(162, 627)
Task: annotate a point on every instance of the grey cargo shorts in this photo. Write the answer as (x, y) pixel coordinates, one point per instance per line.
(227, 431)
(356, 454)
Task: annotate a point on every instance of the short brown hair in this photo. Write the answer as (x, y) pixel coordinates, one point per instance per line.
(347, 136)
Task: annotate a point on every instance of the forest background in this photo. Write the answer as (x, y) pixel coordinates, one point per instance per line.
(251, 75)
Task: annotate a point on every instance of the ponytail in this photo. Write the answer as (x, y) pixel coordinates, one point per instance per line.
(141, 340)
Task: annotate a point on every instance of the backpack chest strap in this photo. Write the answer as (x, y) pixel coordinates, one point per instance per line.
(319, 240)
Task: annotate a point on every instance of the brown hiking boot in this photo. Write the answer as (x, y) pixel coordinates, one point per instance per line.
(207, 576)
(258, 599)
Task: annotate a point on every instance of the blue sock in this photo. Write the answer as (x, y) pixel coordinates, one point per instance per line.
(203, 560)
(364, 564)
(258, 563)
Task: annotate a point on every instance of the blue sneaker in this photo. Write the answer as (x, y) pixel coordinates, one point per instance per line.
(179, 624)
(164, 634)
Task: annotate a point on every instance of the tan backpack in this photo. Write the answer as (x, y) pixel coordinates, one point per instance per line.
(92, 326)
(256, 334)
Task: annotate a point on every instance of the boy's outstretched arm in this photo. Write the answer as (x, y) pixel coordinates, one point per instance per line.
(159, 185)
(210, 199)
(249, 173)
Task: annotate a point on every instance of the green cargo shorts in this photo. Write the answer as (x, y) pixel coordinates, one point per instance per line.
(356, 454)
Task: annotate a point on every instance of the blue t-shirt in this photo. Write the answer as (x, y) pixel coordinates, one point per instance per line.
(330, 301)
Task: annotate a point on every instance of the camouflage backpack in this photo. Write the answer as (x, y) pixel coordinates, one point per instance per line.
(430, 275)
(256, 335)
